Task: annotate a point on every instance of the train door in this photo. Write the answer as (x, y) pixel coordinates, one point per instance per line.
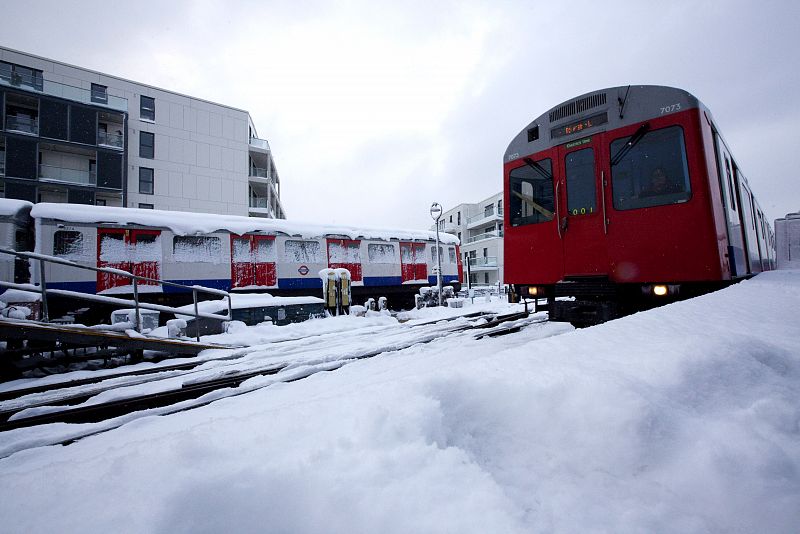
(581, 208)
(241, 261)
(135, 251)
(345, 254)
(749, 224)
(145, 248)
(459, 264)
(739, 261)
(412, 262)
(532, 241)
(253, 260)
(264, 258)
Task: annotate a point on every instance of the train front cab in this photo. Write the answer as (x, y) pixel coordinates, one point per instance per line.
(585, 223)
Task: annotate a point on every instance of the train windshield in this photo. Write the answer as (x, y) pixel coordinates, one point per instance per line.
(531, 192)
(652, 173)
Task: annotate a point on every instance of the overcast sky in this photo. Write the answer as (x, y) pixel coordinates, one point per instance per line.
(376, 109)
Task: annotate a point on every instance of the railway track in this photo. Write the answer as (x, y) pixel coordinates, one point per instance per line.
(189, 388)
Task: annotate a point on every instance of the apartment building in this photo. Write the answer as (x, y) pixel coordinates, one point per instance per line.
(69, 134)
(479, 227)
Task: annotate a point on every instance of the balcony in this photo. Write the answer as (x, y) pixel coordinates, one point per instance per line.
(486, 262)
(488, 216)
(71, 176)
(261, 144)
(259, 202)
(487, 235)
(23, 124)
(110, 139)
(258, 172)
(37, 84)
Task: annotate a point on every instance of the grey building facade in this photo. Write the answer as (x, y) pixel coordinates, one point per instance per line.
(479, 227)
(69, 134)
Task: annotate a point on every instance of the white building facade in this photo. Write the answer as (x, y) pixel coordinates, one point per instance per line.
(70, 134)
(479, 227)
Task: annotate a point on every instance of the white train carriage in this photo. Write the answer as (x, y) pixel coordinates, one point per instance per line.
(231, 253)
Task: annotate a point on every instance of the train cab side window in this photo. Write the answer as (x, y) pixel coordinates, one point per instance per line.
(67, 243)
(532, 200)
(654, 172)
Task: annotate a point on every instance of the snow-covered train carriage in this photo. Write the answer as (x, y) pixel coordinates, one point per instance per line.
(231, 253)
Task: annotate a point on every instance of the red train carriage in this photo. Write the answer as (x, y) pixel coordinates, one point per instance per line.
(624, 198)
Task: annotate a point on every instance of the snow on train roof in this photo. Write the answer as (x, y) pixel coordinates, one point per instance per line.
(188, 223)
(10, 207)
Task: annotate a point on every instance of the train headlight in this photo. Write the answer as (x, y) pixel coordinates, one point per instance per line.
(660, 290)
(533, 292)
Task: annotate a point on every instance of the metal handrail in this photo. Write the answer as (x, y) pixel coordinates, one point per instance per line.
(135, 278)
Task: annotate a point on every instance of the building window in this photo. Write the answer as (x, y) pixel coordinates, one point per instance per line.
(459, 218)
(99, 202)
(147, 108)
(2, 156)
(485, 278)
(146, 181)
(143, 206)
(99, 93)
(147, 145)
(20, 76)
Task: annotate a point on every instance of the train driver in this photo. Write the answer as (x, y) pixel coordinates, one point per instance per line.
(659, 185)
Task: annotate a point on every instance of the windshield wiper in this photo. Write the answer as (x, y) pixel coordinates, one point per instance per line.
(634, 139)
(538, 168)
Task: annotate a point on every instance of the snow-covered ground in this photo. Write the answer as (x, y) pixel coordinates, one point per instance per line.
(681, 419)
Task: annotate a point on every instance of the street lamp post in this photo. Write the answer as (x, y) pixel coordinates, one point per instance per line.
(436, 213)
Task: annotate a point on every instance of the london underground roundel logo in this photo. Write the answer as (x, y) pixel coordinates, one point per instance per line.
(303, 270)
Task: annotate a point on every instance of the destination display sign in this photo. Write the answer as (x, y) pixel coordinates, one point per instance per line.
(579, 126)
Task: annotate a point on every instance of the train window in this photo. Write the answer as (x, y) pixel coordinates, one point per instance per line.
(344, 251)
(303, 252)
(581, 182)
(264, 250)
(531, 188)
(433, 255)
(730, 183)
(381, 253)
(195, 248)
(654, 172)
(67, 243)
(452, 253)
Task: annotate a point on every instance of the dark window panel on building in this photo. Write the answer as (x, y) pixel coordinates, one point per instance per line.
(109, 170)
(80, 196)
(21, 158)
(147, 145)
(147, 108)
(83, 125)
(146, 206)
(53, 119)
(99, 93)
(146, 181)
(20, 191)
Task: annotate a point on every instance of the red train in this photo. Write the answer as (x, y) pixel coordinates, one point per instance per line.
(626, 198)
